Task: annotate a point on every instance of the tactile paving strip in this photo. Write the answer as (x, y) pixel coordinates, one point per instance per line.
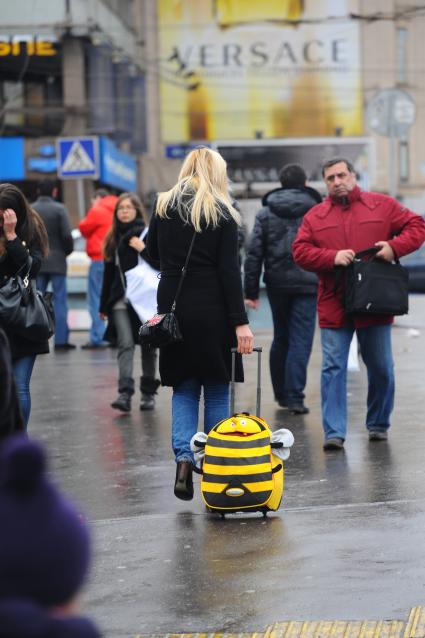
(414, 627)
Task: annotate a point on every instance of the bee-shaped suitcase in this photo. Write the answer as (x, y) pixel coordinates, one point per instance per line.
(239, 470)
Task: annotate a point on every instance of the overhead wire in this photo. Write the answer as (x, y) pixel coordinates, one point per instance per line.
(169, 76)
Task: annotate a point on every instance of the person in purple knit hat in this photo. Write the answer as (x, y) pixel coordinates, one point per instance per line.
(44, 550)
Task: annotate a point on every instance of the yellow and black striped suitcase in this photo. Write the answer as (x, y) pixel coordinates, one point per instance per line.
(239, 470)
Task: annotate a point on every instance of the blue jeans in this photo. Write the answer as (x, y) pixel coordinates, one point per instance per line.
(185, 412)
(375, 348)
(60, 303)
(22, 371)
(94, 288)
(294, 321)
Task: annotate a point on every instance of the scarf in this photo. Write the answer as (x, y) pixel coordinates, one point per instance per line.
(122, 228)
(128, 257)
(347, 200)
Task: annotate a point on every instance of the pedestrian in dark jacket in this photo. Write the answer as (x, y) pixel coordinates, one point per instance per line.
(53, 268)
(23, 246)
(44, 550)
(291, 291)
(210, 308)
(347, 222)
(122, 249)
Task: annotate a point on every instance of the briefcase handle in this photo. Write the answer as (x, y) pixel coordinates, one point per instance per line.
(371, 252)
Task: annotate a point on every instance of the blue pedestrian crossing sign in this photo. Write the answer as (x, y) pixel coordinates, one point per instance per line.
(78, 157)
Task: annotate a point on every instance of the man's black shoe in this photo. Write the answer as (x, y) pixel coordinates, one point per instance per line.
(377, 435)
(298, 408)
(333, 444)
(282, 404)
(65, 346)
(94, 346)
(122, 402)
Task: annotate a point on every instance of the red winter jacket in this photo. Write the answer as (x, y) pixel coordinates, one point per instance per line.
(330, 226)
(96, 224)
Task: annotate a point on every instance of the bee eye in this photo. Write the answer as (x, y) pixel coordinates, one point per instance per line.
(243, 422)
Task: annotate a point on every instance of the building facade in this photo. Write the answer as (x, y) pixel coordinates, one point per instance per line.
(72, 69)
(265, 83)
(281, 81)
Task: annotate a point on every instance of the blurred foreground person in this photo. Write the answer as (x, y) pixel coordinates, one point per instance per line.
(23, 245)
(292, 292)
(44, 550)
(210, 309)
(10, 410)
(122, 249)
(54, 267)
(94, 227)
(347, 222)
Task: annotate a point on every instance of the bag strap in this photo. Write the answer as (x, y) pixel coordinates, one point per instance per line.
(184, 271)
(118, 264)
(24, 270)
(338, 277)
(142, 238)
(139, 259)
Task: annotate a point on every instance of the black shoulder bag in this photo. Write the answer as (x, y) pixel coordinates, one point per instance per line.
(374, 286)
(163, 330)
(24, 310)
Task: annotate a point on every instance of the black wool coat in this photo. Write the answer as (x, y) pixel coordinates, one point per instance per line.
(10, 264)
(10, 412)
(210, 304)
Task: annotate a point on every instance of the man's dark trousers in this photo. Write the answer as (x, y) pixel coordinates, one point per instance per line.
(294, 320)
(60, 304)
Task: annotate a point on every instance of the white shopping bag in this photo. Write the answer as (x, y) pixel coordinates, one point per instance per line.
(141, 288)
(353, 357)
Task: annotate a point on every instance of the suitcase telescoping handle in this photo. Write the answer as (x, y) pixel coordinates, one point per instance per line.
(232, 381)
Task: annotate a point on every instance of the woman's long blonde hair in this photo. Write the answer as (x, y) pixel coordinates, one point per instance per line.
(201, 192)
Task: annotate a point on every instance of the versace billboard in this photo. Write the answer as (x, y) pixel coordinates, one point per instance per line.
(240, 69)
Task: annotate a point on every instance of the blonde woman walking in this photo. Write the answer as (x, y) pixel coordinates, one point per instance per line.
(210, 308)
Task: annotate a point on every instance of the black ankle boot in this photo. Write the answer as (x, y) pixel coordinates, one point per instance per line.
(147, 402)
(122, 402)
(183, 487)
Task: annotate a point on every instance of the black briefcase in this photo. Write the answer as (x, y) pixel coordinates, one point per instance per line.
(374, 286)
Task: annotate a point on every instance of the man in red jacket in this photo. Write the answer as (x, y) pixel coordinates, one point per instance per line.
(346, 222)
(94, 227)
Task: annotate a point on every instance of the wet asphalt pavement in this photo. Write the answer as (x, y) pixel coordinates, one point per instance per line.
(348, 542)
